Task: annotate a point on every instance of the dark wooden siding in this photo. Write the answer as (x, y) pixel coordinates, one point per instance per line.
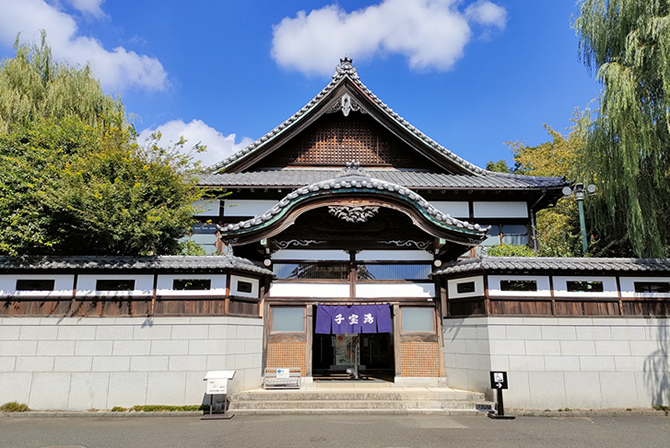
(131, 306)
(525, 306)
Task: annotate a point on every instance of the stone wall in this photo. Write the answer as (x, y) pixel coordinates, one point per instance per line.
(552, 363)
(98, 363)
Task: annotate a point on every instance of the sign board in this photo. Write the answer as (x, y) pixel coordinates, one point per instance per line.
(283, 372)
(217, 386)
(217, 381)
(498, 380)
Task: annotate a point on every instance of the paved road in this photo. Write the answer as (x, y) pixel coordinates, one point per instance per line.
(335, 432)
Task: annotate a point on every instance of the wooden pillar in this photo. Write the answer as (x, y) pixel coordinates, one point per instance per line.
(310, 335)
(396, 340)
(440, 342)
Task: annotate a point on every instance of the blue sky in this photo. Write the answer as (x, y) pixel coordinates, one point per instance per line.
(469, 74)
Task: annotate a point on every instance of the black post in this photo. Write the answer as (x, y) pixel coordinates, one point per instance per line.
(501, 406)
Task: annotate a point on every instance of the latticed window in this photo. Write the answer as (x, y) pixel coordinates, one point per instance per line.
(516, 234)
(335, 140)
(331, 271)
(393, 271)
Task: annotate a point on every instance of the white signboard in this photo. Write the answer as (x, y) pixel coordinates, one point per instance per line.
(217, 381)
(217, 386)
(283, 373)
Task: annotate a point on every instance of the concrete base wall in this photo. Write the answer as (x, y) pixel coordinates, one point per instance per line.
(99, 363)
(578, 363)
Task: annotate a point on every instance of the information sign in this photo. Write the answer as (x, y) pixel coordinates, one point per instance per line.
(498, 380)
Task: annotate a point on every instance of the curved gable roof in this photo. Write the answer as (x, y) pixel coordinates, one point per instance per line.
(346, 80)
(355, 182)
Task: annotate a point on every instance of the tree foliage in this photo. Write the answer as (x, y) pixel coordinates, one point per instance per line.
(74, 179)
(627, 43)
(557, 228)
(498, 167)
(120, 200)
(511, 250)
(34, 86)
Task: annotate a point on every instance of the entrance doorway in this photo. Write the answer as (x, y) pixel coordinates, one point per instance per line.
(341, 356)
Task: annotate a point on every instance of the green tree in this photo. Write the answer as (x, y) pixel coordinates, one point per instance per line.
(627, 44)
(557, 227)
(32, 158)
(121, 199)
(498, 167)
(33, 86)
(74, 181)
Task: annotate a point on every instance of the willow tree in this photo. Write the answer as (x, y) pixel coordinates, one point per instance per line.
(73, 179)
(33, 85)
(627, 44)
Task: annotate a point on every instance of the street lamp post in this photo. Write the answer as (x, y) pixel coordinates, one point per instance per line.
(580, 192)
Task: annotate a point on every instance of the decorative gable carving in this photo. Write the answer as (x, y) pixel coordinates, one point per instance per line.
(346, 104)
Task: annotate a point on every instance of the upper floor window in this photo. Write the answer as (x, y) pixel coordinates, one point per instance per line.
(516, 234)
(371, 271)
(330, 271)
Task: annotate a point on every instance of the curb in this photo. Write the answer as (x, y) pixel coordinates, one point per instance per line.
(100, 414)
(579, 413)
(514, 412)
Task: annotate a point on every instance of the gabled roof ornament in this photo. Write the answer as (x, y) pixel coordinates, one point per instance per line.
(345, 67)
(353, 168)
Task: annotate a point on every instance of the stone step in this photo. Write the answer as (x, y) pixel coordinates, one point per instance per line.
(353, 395)
(354, 404)
(336, 400)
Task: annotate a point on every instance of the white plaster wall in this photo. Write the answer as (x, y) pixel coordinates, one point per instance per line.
(500, 209)
(394, 255)
(247, 207)
(207, 207)
(63, 285)
(382, 290)
(311, 255)
(166, 281)
(295, 289)
(144, 285)
(457, 209)
(85, 363)
(552, 363)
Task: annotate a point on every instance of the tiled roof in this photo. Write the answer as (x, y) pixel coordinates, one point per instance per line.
(296, 178)
(347, 71)
(353, 179)
(164, 262)
(555, 264)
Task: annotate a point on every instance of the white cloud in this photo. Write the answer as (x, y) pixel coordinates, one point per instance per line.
(118, 69)
(219, 146)
(487, 13)
(432, 34)
(91, 7)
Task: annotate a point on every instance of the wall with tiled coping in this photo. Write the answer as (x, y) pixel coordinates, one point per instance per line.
(552, 363)
(84, 363)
